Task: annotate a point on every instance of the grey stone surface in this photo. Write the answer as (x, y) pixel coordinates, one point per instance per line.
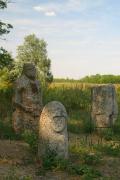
(53, 134)
(27, 100)
(104, 105)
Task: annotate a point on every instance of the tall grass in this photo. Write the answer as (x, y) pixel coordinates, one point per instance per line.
(75, 97)
(6, 108)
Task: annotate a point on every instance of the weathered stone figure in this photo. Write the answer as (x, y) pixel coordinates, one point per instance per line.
(53, 130)
(104, 105)
(27, 100)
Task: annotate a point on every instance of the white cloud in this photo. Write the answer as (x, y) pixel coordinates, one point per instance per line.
(67, 6)
(50, 13)
(47, 11)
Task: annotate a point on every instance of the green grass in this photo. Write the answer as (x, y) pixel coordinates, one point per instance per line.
(32, 139)
(7, 132)
(111, 149)
(80, 122)
(53, 163)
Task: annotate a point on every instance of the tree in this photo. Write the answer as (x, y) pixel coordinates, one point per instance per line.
(4, 28)
(35, 50)
(6, 59)
(6, 65)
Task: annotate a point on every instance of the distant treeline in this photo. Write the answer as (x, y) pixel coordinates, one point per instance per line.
(62, 80)
(97, 79)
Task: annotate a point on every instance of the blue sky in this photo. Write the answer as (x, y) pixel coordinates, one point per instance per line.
(83, 36)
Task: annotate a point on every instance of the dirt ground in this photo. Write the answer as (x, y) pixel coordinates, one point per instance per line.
(15, 156)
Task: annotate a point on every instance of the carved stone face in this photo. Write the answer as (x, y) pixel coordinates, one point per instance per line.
(29, 70)
(58, 123)
(57, 116)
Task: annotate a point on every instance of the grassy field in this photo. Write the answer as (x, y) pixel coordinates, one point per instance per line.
(93, 154)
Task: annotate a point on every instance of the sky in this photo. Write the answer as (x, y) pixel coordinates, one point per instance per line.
(83, 36)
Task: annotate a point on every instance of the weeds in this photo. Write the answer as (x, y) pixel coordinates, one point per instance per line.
(84, 170)
(52, 162)
(112, 149)
(32, 139)
(92, 158)
(7, 132)
(74, 98)
(88, 126)
(12, 175)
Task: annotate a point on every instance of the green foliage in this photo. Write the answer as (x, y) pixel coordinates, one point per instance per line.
(110, 134)
(6, 108)
(52, 162)
(32, 139)
(101, 79)
(107, 133)
(88, 126)
(6, 65)
(116, 128)
(49, 160)
(3, 4)
(74, 124)
(4, 28)
(112, 149)
(97, 79)
(34, 50)
(73, 98)
(5, 59)
(84, 170)
(67, 80)
(6, 76)
(92, 158)
(7, 132)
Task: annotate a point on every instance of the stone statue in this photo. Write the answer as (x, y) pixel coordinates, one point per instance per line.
(53, 130)
(104, 106)
(27, 100)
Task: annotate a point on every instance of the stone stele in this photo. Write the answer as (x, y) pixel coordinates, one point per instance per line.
(53, 136)
(27, 100)
(104, 106)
